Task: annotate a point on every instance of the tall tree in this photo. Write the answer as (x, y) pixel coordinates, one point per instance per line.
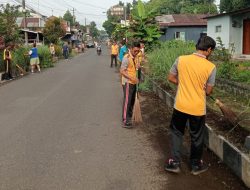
(93, 30)
(53, 30)
(8, 26)
(110, 24)
(69, 17)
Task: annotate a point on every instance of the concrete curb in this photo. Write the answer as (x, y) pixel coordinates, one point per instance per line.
(227, 152)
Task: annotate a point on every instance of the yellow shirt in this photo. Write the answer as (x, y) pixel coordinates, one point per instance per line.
(129, 65)
(194, 72)
(114, 49)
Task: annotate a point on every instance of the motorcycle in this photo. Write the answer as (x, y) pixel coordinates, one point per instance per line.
(99, 50)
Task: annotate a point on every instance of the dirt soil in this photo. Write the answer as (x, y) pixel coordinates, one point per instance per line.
(156, 118)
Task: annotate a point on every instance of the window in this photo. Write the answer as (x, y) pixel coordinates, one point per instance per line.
(180, 35)
(218, 28)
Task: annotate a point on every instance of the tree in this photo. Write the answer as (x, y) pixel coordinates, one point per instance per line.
(8, 26)
(53, 30)
(69, 17)
(232, 5)
(110, 24)
(93, 30)
(143, 25)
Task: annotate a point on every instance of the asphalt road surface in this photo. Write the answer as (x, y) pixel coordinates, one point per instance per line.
(61, 130)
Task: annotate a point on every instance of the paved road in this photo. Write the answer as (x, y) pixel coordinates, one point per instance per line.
(61, 130)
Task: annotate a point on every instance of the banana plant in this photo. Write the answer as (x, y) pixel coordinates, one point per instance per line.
(143, 25)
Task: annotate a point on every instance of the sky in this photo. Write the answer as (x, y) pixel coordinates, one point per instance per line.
(91, 10)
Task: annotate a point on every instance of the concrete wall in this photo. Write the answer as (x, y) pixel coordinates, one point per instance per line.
(225, 23)
(191, 33)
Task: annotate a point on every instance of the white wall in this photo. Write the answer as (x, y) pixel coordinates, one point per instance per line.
(225, 23)
(236, 35)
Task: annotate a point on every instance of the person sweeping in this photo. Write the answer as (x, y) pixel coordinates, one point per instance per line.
(129, 81)
(194, 76)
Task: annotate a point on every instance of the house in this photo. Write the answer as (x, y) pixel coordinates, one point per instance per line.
(182, 26)
(234, 30)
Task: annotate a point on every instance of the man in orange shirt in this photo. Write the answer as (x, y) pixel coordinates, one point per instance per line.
(129, 81)
(194, 76)
(114, 53)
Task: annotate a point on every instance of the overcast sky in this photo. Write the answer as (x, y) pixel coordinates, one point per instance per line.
(92, 10)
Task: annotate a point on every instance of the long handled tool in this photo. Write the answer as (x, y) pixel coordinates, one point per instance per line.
(21, 69)
(137, 117)
(229, 115)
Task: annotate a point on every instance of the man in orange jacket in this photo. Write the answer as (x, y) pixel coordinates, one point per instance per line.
(129, 81)
(114, 53)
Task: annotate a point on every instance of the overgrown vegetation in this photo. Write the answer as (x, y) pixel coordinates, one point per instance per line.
(162, 58)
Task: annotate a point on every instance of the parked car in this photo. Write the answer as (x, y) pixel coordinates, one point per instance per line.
(90, 44)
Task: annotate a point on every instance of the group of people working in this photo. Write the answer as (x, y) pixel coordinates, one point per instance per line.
(194, 76)
(7, 59)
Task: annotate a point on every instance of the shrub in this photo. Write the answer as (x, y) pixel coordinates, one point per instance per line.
(45, 57)
(58, 50)
(20, 56)
(226, 70)
(162, 58)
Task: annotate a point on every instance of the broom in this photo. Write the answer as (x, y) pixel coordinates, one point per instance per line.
(229, 115)
(137, 117)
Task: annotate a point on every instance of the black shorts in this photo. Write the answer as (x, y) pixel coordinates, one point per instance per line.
(180, 121)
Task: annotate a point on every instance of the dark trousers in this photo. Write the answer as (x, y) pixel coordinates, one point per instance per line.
(113, 57)
(65, 54)
(196, 129)
(129, 91)
(7, 70)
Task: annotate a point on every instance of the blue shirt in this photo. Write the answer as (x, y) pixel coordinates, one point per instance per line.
(34, 53)
(122, 52)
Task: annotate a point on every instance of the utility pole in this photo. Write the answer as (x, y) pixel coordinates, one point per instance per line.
(25, 23)
(73, 10)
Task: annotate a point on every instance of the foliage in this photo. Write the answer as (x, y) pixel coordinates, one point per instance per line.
(226, 70)
(8, 27)
(143, 25)
(162, 58)
(232, 5)
(110, 24)
(183, 6)
(69, 17)
(221, 53)
(20, 57)
(93, 30)
(146, 85)
(53, 30)
(45, 57)
(241, 76)
(58, 50)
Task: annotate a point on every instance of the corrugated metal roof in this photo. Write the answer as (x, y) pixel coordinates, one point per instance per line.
(182, 20)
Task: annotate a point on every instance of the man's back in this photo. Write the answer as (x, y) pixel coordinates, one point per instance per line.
(193, 74)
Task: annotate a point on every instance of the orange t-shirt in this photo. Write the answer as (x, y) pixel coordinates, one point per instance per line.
(114, 49)
(194, 73)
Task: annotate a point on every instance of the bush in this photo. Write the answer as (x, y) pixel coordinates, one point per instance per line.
(145, 85)
(242, 76)
(162, 58)
(226, 70)
(45, 57)
(20, 56)
(58, 50)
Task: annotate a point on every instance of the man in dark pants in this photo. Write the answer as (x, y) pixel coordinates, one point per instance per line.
(7, 64)
(195, 77)
(129, 81)
(114, 53)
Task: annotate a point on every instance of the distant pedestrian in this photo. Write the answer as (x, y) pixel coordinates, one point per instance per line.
(129, 81)
(123, 50)
(7, 63)
(52, 50)
(114, 53)
(65, 50)
(195, 77)
(34, 59)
